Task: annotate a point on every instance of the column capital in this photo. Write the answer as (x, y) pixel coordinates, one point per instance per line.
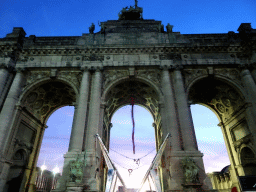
(161, 105)
(3, 66)
(7, 67)
(84, 68)
(243, 66)
(74, 104)
(190, 103)
(99, 69)
(244, 72)
(20, 69)
(177, 67)
(103, 105)
(165, 67)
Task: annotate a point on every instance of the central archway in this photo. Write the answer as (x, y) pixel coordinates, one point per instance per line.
(132, 167)
(125, 92)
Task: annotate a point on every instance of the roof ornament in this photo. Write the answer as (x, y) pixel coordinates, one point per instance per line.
(131, 13)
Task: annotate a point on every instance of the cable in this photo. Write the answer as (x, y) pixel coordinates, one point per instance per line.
(133, 158)
(127, 168)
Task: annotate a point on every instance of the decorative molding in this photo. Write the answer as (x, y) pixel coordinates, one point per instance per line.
(191, 74)
(34, 76)
(152, 75)
(112, 75)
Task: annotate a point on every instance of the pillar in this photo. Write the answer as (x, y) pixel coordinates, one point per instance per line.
(172, 173)
(250, 88)
(78, 128)
(254, 74)
(7, 112)
(3, 78)
(92, 159)
(187, 127)
(184, 113)
(170, 117)
(6, 118)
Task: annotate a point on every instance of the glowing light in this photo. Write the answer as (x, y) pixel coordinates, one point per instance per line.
(43, 167)
(56, 170)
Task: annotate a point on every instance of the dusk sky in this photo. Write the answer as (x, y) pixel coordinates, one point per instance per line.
(72, 18)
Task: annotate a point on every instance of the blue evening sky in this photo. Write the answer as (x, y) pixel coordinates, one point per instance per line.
(72, 18)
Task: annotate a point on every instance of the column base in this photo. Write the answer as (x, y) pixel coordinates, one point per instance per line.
(65, 179)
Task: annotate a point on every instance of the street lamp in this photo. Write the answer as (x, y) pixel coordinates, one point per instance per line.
(55, 171)
(43, 167)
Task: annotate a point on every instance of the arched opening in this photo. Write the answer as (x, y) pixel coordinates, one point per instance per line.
(123, 94)
(131, 166)
(228, 103)
(54, 145)
(209, 139)
(36, 106)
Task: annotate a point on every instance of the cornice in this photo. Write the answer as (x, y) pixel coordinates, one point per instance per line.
(145, 49)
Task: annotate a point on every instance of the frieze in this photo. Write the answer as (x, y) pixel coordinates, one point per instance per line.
(74, 77)
(165, 51)
(112, 75)
(152, 75)
(93, 58)
(170, 57)
(36, 75)
(233, 74)
(191, 74)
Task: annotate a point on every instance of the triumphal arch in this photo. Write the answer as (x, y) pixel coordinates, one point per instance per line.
(128, 59)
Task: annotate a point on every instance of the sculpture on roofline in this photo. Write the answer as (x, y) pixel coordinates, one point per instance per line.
(169, 28)
(92, 28)
(131, 13)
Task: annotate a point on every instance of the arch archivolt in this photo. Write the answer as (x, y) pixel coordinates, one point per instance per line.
(124, 87)
(44, 94)
(114, 77)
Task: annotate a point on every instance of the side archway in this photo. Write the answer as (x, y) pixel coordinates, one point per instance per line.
(229, 103)
(36, 104)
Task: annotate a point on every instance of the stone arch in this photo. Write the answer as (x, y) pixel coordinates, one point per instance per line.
(118, 94)
(37, 102)
(146, 96)
(225, 91)
(44, 97)
(228, 100)
(142, 79)
(226, 80)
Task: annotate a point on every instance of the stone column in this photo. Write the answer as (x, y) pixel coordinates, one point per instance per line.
(185, 120)
(6, 118)
(78, 128)
(172, 170)
(250, 88)
(254, 74)
(170, 112)
(4, 73)
(7, 112)
(92, 129)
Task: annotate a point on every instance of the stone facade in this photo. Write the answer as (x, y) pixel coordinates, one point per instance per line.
(164, 71)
